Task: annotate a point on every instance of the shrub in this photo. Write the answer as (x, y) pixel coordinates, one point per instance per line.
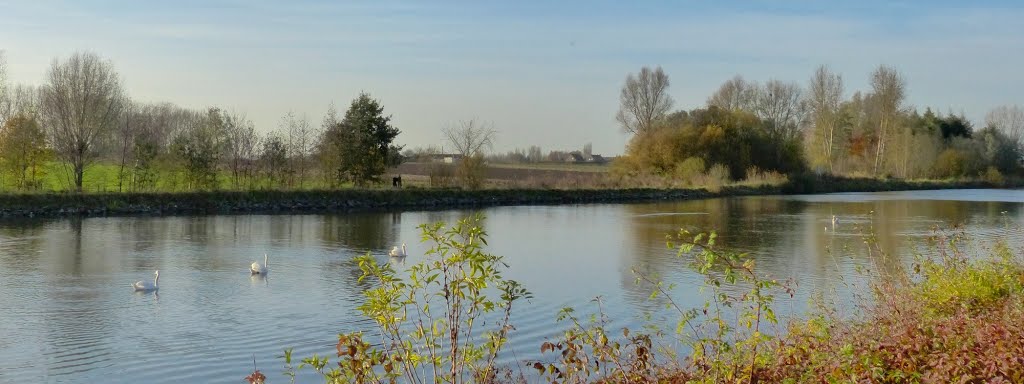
(954, 320)
(722, 352)
(757, 177)
(441, 341)
(714, 178)
(471, 171)
(952, 281)
(441, 175)
(689, 169)
(951, 163)
(994, 177)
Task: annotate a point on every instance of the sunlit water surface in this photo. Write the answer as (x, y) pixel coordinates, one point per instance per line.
(70, 316)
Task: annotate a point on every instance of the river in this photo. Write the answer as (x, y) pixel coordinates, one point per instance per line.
(69, 314)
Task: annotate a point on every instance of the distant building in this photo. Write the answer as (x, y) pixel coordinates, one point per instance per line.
(447, 158)
(575, 158)
(596, 159)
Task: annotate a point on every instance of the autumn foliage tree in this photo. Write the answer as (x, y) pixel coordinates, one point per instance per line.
(736, 140)
(23, 151)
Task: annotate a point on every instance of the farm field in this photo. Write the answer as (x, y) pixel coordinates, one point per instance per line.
(519, 175)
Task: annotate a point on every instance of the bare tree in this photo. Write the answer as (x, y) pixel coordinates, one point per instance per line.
(1009, 119)
(644, 100)
(199, 147)
(735, 94)
(16, 100)
(534, 155)
(470, 137)
(780, 105)
(126, 132)
(21, 100)
(301, 140)
(161, 122)
(5, 99)
(326, 147)
(273, 158)
(241, 146)
(825, 95)
(82, 101)
(889, 91)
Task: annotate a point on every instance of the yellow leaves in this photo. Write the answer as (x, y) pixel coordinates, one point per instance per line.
(712, 135)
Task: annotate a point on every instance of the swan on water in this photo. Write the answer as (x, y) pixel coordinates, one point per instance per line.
(146, 286)
(397, 253)
(257, 269)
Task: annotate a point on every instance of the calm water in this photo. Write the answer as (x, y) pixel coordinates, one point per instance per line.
(70, 316)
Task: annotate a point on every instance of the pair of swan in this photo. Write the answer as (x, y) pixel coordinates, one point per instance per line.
(254, 269)
(146, 286)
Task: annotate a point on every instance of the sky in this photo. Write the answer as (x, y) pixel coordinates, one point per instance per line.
(544, 73)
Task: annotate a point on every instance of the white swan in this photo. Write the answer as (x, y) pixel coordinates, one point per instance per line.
(397, 253)
(145, 286)
(257, 269)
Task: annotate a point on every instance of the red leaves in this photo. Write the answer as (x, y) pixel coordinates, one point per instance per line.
(978, 346)
(256, 377)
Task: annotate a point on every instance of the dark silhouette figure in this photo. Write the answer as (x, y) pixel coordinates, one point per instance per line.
(396, 181)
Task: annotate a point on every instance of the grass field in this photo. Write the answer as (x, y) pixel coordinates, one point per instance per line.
(540, 175)
(101, 178)
(553, 166)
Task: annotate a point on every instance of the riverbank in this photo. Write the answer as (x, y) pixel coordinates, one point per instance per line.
(51, 205)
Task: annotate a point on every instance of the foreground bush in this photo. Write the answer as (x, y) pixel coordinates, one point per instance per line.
(956, 319)
(430, 324)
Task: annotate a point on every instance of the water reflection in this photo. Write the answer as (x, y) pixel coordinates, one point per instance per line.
(795, 236)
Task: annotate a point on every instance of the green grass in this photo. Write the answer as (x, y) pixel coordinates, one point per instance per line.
(103, 178)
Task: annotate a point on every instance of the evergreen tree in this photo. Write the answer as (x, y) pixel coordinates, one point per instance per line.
(359, 148)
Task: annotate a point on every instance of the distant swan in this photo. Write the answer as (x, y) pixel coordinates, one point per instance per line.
(257, 269)
(397, 253)
(145, 286)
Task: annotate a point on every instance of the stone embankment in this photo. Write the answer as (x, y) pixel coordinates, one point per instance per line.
(356, 200)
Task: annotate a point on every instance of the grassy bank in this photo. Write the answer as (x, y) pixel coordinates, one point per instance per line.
(951, 316)
(413, 198)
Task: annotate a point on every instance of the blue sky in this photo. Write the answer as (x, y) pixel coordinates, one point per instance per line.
(545, 73)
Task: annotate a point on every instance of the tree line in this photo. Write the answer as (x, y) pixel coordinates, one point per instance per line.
(81, 116)
(747, 127)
